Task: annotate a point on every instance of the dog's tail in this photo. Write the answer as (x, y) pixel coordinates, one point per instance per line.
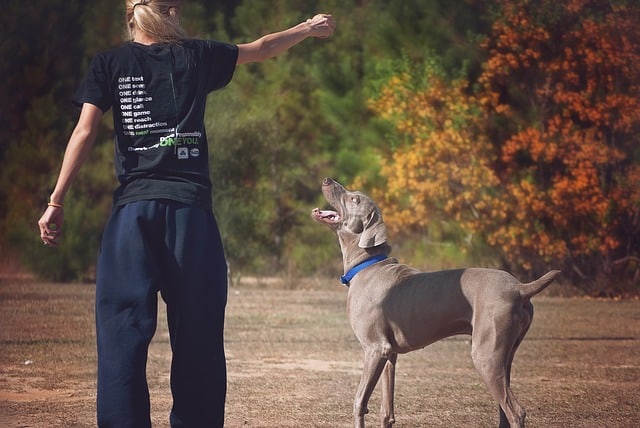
(532, 288)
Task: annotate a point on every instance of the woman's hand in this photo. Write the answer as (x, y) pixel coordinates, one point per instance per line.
(322, 25)
(51, 225)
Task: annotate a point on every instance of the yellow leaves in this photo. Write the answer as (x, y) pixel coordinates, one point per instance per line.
(444, 172)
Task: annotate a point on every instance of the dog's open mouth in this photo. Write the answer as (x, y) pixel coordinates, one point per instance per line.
(326, 216)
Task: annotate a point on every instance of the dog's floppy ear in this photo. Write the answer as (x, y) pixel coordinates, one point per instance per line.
(374, 233)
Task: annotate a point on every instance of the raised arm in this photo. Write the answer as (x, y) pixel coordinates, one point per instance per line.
(274, 44)
(75, 155)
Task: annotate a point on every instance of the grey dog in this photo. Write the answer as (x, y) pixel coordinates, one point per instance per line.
(394, 309)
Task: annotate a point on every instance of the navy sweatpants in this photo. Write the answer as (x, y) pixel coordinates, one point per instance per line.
(175, 249)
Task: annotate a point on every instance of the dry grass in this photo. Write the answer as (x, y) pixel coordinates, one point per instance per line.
(293, 361)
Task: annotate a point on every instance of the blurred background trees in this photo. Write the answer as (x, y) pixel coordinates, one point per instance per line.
(491, 132)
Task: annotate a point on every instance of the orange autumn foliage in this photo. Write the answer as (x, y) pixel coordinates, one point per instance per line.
(543, 161)
(572, 87)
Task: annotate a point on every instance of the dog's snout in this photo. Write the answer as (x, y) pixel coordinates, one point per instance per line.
(327, 181)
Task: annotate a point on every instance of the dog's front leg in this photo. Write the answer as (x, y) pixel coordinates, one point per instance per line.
(374, 362)
(388, 388)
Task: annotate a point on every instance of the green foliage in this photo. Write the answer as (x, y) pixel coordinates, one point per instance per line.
(275, 131)
(35, 81)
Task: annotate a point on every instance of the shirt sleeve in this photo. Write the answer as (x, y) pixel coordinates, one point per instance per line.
(222, 58)
(95, 88)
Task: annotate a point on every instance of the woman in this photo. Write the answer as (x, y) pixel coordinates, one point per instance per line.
(161, 235)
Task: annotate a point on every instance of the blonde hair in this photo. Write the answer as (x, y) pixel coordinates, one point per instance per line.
(158, 19)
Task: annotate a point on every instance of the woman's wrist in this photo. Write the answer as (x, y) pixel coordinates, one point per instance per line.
(56, 201)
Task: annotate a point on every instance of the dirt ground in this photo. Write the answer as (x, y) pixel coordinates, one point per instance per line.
(293, 362)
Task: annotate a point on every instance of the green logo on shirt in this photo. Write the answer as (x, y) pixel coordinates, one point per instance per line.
(178, 141)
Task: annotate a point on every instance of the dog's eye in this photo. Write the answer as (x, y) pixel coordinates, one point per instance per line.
(355, 200)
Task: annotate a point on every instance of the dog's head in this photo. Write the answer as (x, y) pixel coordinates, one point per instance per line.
(355, 214)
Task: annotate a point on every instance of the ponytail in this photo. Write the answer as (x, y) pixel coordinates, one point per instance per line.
(159, 19)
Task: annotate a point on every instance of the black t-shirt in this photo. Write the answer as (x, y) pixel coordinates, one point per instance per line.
(158, 95)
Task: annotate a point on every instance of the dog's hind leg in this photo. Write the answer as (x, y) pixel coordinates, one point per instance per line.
(492, 350)
(495, 377)
(518, 410)
(388, 387)
(523, 319)
(374, 363)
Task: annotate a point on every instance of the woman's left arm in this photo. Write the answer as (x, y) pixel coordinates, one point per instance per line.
(75, 155)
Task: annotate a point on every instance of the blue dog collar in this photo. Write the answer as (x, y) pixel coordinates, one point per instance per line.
(347, 277)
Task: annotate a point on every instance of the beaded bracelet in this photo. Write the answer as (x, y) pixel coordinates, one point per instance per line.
(52, 204)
